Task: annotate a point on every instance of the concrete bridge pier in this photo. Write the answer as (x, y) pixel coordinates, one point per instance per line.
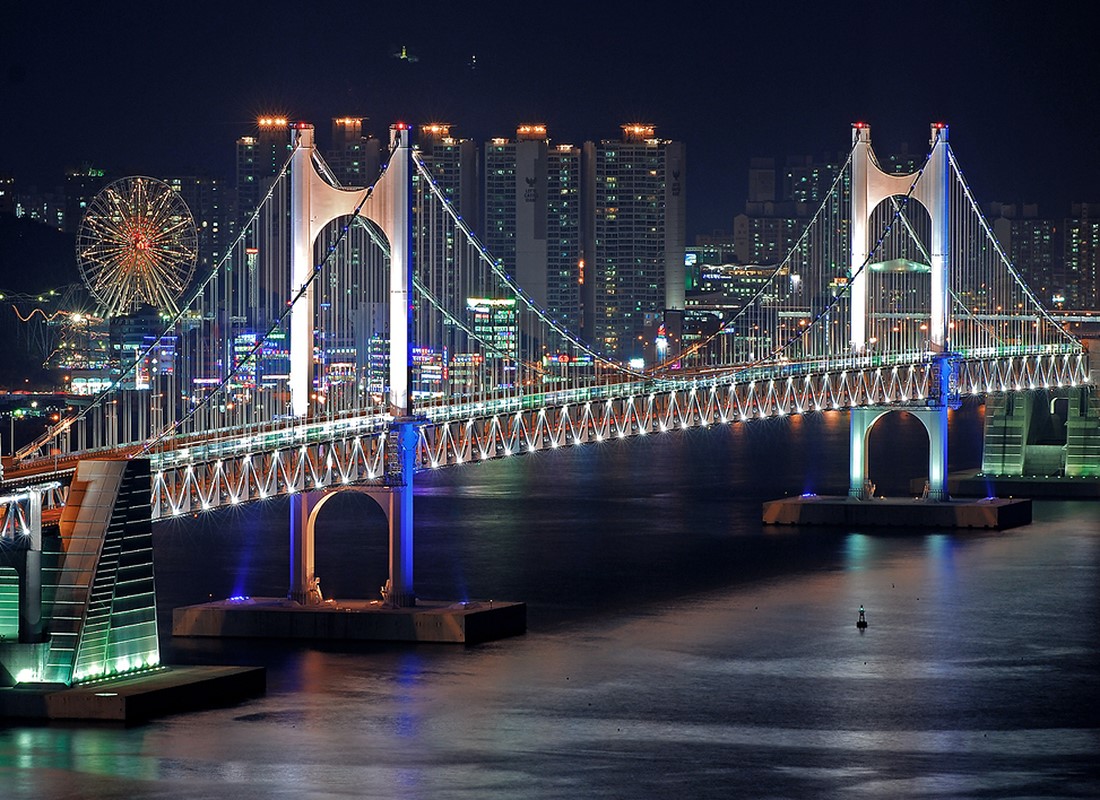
(31, 627)
(398, 616)
(396, 499)
(864, 419)
(23, 554)
(1053, 432)
(303, 513)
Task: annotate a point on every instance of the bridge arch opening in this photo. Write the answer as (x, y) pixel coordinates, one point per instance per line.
(1051, 430)
(363, 236)
(899, 276)
(891, 468)
(350, 313)
(351, 544)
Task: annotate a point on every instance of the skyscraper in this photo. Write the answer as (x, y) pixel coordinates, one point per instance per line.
(259, 159)
(808, 180)
(81, 187)
(777, 211)
(564, 234)
(634, 249)
(207, 200)
(353, 156)
(452, 163)
(1034, 246)
(533, 217)
(1082, 257)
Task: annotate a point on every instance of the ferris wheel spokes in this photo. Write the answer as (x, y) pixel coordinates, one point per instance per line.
(137, 244)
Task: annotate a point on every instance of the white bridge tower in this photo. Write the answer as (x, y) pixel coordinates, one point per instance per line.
(929, 187)
(314, 204)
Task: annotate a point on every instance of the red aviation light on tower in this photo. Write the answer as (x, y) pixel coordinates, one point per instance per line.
(859, 125)
(400, 135)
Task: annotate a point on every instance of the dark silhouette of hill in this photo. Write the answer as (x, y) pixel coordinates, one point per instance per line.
(34, 257)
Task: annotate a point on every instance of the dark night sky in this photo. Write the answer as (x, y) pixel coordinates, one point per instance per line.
(160, 88)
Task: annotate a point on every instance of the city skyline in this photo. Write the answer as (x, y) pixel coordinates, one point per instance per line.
(152, 104)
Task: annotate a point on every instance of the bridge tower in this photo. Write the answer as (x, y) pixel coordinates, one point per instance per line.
(929, 187)
(388, 204)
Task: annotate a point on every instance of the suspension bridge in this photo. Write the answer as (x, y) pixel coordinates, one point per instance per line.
(355, 335)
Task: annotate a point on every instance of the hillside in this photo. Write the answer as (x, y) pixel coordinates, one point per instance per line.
(35, 258)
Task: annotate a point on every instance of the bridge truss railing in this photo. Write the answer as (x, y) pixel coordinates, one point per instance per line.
(210, 393)
(329, 458)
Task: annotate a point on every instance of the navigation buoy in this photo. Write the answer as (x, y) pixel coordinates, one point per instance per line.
(861, 623)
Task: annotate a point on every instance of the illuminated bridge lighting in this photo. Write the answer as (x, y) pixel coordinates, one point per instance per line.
(538, 370)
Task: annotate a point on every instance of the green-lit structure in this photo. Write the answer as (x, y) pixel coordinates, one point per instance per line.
(77, 597)
(1053, 432)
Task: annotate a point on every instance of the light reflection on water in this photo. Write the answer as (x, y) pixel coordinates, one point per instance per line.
(676, 647)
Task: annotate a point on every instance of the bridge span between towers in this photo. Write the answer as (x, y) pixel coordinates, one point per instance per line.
(342, 309)
(352, 336)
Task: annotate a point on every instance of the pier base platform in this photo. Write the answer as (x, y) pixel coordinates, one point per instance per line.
(973, 484)
(135, 698)
(898, 513)
(353, 620)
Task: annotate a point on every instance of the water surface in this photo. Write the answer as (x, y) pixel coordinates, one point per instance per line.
(676, 647)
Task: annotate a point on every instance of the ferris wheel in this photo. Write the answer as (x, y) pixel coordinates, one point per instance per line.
(137, 244)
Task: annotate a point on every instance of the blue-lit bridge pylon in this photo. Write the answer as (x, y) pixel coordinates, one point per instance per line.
(314, 204)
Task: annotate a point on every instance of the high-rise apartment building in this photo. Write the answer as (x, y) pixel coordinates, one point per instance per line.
(452, 162)
(808, 180)
(354, 156)
(781, 204)
(767, 236)
(564, 234)
(1059, 259)
(634, 246)
(259, 159)
(81, 187)
(761, 180)
(1034, 247)
(533, 217)
(209, 203)
(1082, 257)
